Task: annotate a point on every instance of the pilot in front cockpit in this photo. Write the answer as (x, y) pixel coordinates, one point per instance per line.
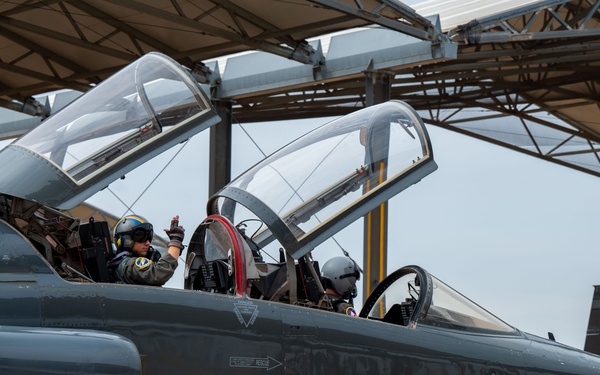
(135, 261)
(339, 276)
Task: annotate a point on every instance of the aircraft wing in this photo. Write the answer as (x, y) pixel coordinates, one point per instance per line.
(66, 351)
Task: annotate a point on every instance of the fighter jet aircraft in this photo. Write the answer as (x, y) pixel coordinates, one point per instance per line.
(253, 301)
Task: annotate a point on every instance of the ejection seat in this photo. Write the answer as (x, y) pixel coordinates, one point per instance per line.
(222, 259)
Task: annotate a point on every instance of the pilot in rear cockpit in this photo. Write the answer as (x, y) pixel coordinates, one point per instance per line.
(135, 261)
(339, 276)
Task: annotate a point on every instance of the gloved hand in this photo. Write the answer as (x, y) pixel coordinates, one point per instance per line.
(175, 233)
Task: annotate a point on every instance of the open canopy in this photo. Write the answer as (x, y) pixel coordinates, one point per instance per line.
(325, 180)
(147, 107)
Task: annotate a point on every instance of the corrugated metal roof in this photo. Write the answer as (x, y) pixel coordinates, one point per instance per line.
(49, 45)
(459, 12)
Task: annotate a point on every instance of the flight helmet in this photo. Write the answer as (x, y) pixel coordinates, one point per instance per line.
(131, 229)
(341, 274)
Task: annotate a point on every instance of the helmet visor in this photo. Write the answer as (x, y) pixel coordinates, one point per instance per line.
(354, 274)
(142, 233)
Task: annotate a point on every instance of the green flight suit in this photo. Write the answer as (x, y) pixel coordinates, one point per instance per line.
(141, 270)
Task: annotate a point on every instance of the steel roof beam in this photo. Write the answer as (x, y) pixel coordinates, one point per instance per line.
(253, 42)
(49, 54)
(125, 56)
(514, 148)
(122, 27)
(414, 25)
(46, 78)
(237, 11)
(481, 30)
(254, 73)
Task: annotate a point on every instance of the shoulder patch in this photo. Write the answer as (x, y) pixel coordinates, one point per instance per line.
(142, 263)
(350, 311)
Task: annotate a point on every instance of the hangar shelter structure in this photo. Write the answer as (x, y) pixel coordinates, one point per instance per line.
(518, 74)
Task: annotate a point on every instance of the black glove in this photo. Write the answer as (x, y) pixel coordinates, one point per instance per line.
(176, 234)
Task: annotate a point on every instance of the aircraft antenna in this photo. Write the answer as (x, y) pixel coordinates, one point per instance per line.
(252, 140)
(346, 253)
(153, 180)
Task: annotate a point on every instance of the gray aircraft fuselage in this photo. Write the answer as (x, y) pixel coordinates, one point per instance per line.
(194, 332)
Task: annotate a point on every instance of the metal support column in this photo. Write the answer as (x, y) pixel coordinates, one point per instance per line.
(220, 149)
(378, 90)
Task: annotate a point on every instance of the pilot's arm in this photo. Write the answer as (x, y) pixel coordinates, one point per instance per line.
(341, 306)
(346, 308)
(141, 270)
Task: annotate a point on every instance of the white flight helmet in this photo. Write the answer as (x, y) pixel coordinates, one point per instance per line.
(341, 274)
